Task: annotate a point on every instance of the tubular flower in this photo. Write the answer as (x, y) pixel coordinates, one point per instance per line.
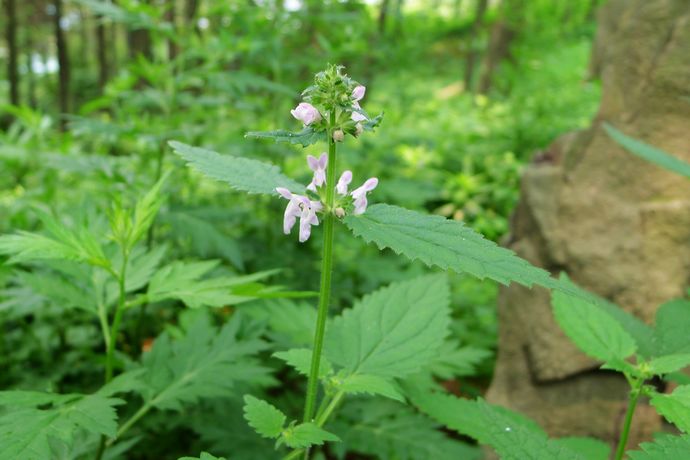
(319, 167)
(358, 95)
(306, 113)
(359, 195)
(302, 207)
(343, 182)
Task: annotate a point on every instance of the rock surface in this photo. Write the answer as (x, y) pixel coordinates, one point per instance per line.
(616, 224)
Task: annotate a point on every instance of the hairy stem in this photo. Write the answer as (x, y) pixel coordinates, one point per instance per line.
(632, 403)
(326, 271)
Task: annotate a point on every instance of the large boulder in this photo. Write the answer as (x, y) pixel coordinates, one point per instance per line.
(616, 224)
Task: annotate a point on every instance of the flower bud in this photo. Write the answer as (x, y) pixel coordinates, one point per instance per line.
(338, 135)
(359, 129)
(306, 113)
(339, 212)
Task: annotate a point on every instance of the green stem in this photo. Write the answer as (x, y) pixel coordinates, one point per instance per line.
(632, 403)
(143, 410)
(320, 422)
(325, 290)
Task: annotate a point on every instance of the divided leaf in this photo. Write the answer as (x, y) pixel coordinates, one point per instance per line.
(394, 331)
(28, 432)
(263, 417)
(592, 329)
(305, 435)
(649, 153)
(242, 174)
(675, 407)
(444, 243)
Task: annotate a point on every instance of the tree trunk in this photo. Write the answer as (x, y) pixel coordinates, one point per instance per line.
(503, 34)
(63, 62)
(383, 15)
(139, 41)
(13, 51)
(170, 17)
(479, 14)
(30, 76)
(102, 53)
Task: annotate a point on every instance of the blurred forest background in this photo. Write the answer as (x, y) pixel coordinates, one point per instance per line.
(92, 90)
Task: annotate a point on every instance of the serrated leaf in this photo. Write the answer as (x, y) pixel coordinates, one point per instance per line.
(669, 363)
(305, 435)
(28, 432)
(394, 331)
(649, 153)
(638, 329)
(387, 430)
(664, 447)
(263, 417)
(590, 448)
(204, 363)
(242, 174)
(671, 328)
(300, 359)
(444, 243)
(304, 138)
(511, 435)
(675, 407)
(455, 361)
(203, 456)
(372, 385)
(594, 331)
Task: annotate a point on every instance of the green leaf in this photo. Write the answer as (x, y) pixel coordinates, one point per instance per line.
(182, 281)
(511, 435)
(649, 153)
(394, 331)
(28, 432)
(675, 407)
(664, 447)
(263, 417)
(203, 456)
(60, 243)
(305, 435)
(204, 363)
(300, 359)
(671, 328)
(444, 243)
(146, 210)
(638, 329)
(372, 385)
(304, 138)
(592, 329)
(242, 174)
(455, 361)
(387, 430)
(590, 448)
(669, 363)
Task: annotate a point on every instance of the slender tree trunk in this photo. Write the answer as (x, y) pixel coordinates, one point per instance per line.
(102, 52)
(13, 51)
(170, 16)
(63, 62)
(383, 15)
(139, 41)
(503, 34)
(479, 14)
(30, 76)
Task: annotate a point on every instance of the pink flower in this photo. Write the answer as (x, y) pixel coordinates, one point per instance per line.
(360, 195)
(319, 167)
(343, 182)
(302, 207)
(306, 113)
(357, 95)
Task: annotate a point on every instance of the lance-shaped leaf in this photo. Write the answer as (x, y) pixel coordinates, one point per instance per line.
(510, 434)
(664, 447)
(592, 329)
(394, 331)
(649, 153)
(242, 174)
(444, 243)
(29, 429)
(304, 138)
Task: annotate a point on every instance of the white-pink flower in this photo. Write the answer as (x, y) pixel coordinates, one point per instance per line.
(302, 207)
(319, 167)
(306, 113)
(343, 182)
(358, 95)
(359, 195)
